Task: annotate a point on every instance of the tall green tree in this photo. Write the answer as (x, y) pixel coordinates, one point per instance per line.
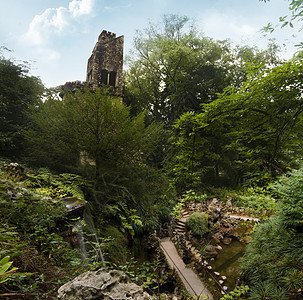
(96, 128)
(174, 69)
(18, 91)
(252, 133)
(94, 124)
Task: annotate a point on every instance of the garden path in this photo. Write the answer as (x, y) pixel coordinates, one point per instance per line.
(190, 279)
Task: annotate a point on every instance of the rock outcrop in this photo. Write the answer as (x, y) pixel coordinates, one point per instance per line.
(102, 284)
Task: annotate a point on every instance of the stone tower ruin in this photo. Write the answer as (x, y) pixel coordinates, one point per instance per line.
(105, 65)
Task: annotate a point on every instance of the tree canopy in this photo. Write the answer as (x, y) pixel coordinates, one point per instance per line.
(94, 123)
(174, 69)
(251, 132)
(18, 91)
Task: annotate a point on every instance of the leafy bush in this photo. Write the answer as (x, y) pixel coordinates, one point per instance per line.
(148, 275)
(236, 293)
(62, 185)
(273, 261)
(188, 196)
(30, 227)
(289, 192)
(254, 198)
(197, 222)
(117, 247)
(136, 202)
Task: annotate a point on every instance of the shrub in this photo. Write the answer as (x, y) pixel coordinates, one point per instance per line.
(188, 196)
(289, 192)
(197, 222)
(273, 261)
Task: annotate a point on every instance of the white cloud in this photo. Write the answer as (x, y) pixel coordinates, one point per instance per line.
(81, 7)
(51, 21)
(56, 21)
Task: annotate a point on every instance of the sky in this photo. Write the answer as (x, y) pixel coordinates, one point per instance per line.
(56, 37)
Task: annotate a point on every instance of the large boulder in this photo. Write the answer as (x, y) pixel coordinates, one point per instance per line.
(102, 284)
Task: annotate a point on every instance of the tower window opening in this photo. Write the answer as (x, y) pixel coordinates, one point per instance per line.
(104, 76)
(112, 78)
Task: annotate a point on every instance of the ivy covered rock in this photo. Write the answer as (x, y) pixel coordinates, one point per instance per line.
(102, 284)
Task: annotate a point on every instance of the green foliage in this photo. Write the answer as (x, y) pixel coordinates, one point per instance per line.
(289, 192)
(34, 216)
(193, 196)
(5, 271)
(18, 90)
(294, 15)
(62, 185)
(154, 197)
(95, 125)
(30, 232)
(273, 261)
(250, 134)
(272, 264)
(258, 199)
(188, 196)
(136, 202)
(118, 252)
(197, 222)
(11, 243)
(98, 126)
(147, 275)
(176, 212)
(174, 69)
(236, 293)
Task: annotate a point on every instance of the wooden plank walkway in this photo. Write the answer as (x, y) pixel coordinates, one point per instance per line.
(190, 279)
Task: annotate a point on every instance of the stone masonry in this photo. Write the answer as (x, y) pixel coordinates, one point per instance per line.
(105, 65)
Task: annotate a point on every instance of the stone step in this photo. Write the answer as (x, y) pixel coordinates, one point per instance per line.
(184, 213)
(181, 221)
(180, 226)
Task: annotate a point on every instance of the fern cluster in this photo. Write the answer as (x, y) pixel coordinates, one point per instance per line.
(57, 186)
(273, 261)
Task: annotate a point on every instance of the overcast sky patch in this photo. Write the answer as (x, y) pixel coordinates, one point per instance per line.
(221, 26)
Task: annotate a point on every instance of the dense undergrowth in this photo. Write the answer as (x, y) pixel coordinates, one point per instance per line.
(32, 222)
(273, 262)
(39, 250)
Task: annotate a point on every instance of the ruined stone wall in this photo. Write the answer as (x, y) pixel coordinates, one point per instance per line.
(105, 65)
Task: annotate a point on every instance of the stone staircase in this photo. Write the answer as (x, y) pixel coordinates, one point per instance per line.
(178, 237)
(179, 230)
(179, 227)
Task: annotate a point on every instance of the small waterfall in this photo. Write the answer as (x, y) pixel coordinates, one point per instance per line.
(78, 229)
(84, 227)
(91, 227)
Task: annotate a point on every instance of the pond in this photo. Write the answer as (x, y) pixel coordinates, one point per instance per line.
(226, 263)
